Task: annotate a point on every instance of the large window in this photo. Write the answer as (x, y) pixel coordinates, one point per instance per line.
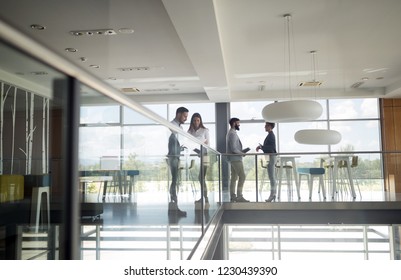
(100, 115)
(132, 117)
(115, 131)
(356, 119)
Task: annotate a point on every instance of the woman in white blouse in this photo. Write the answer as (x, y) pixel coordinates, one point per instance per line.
(199, 131)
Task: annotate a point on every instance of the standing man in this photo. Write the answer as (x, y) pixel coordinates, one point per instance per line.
(174, 151)
(269, 147)
(235, 155)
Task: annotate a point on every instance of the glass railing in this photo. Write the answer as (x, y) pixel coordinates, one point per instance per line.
(132, 175)
(363, 181)
(341, 176)
(312, 242)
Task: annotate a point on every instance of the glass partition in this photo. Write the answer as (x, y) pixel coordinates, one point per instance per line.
(128, 173)
(33, 157)
(125, 174)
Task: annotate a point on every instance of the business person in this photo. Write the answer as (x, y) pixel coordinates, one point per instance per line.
(235, 155)
(174, 151)
(269, 147)
(199, 131)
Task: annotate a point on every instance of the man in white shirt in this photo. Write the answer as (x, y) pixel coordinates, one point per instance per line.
(174, 151)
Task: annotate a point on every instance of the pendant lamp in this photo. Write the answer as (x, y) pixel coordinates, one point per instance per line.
(291, 110)
(317, 136)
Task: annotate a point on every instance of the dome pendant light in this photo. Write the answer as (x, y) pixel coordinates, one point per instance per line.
(291, 110)
(317, 136)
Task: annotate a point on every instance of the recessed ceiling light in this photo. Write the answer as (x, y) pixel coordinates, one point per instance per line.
(94, 66)
(93, 32)
(83, 59)
(77, 33)
(71, 50)
(379, 78)
(136, 68)
(310, 84)
(372, 70)
(365, 78)
(39, 73)
(130, 90)
(126, 30)
(157, 90)
(38, 27)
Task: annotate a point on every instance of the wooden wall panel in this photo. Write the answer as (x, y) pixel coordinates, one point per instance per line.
(391, 142)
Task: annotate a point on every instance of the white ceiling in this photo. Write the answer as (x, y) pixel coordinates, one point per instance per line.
(225, 50)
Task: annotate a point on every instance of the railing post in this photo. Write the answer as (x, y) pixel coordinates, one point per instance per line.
(256, 177)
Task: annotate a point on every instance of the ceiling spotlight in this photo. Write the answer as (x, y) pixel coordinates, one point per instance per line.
(365, 79)
(94, 66)
(105, 32)
(38, 27)
(77, 33)
(93, 32)
(71, 50)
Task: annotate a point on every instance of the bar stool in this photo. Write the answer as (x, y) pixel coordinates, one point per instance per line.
(36, 206)
(188, 169)
(263, 165)
(131, 187)
(288, 168)
(342, 162)
(327, 164)
(311, 173)
(342, 165)
(40, 186)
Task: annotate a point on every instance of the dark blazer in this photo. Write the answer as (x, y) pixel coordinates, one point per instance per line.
(269, 145)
